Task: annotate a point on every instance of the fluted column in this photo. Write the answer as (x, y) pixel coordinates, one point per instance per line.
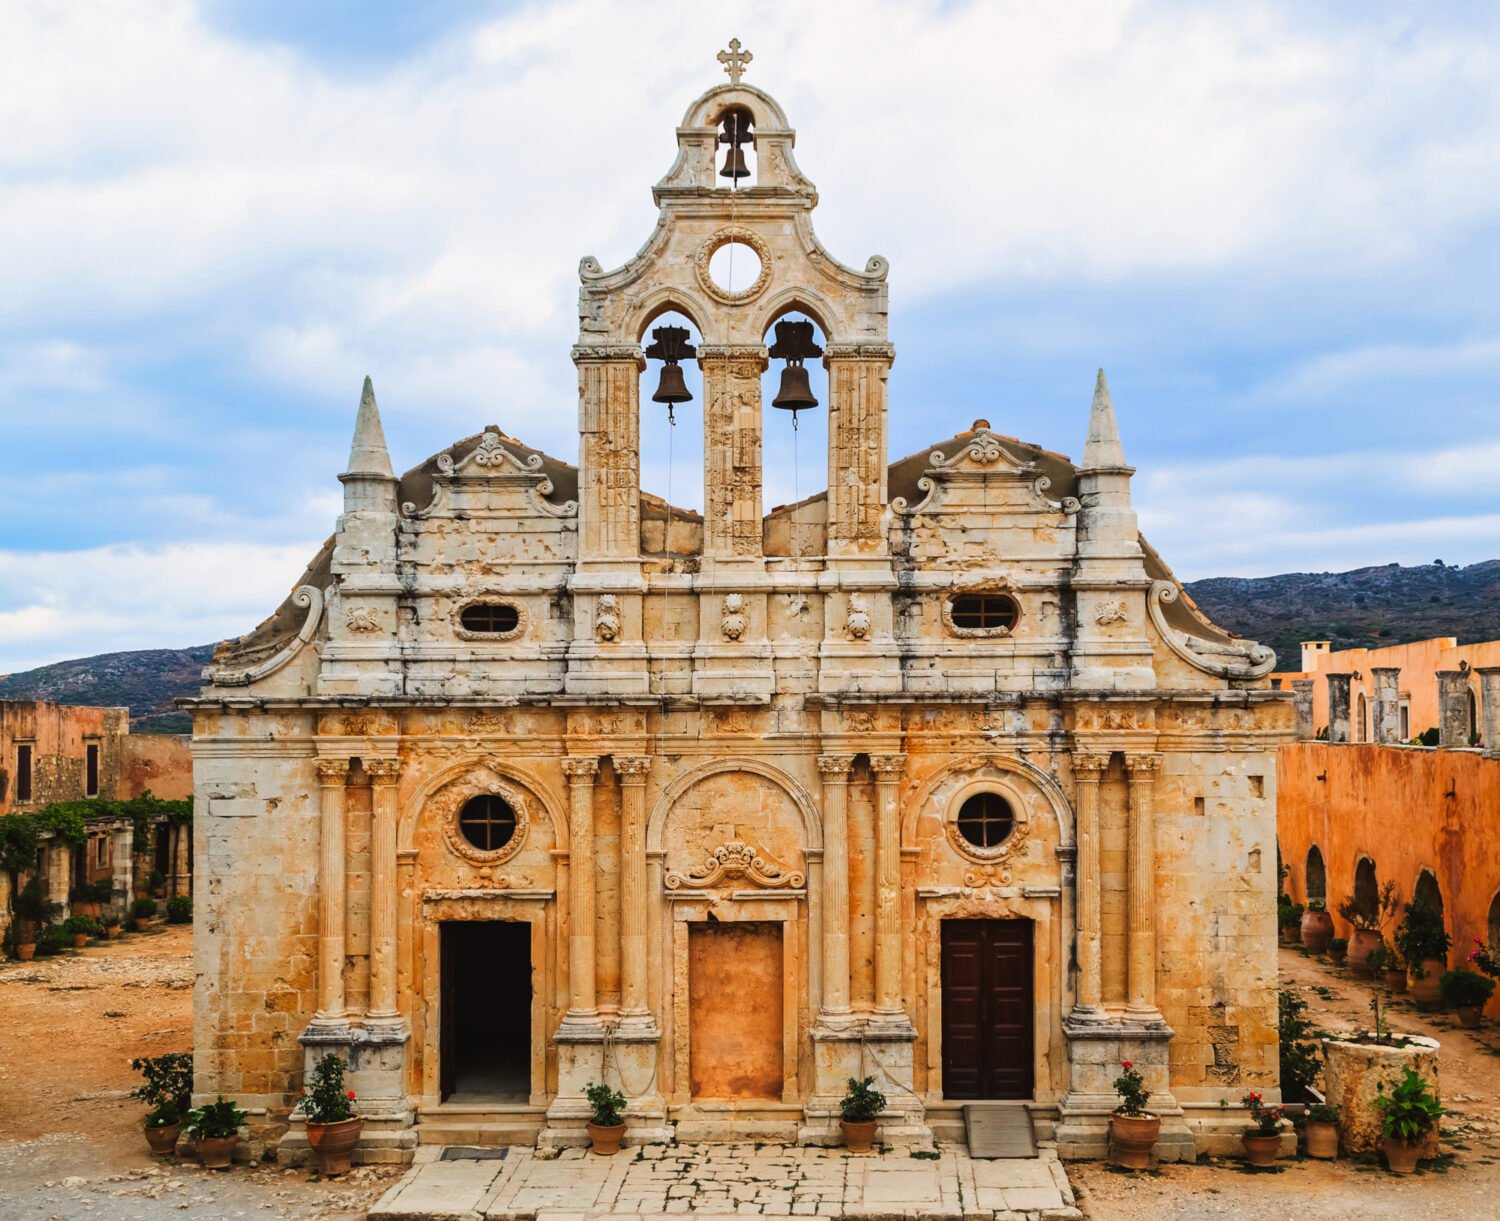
(834, 770)
(634, 1008)
(888, 936)
(1088, 770)
(857, 376)
(609, 460)
(1489, 701)
(1140, 999)
(332, 777)
(1387, 704)
(583, 1002)
(1338, 707)
(383, 775)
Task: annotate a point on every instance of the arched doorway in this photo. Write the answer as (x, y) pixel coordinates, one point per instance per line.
(1317, 876)
(1427, 891)
(1366, 888)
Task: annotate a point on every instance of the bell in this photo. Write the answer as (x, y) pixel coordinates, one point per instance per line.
(796, 393)
(671, 389)
(734, 163)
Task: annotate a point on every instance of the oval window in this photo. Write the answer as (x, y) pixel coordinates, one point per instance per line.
(985, 612)
(492, 618)
(487, 822)
(985, 819)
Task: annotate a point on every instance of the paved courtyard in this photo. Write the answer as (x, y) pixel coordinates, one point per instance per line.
(713, 1181)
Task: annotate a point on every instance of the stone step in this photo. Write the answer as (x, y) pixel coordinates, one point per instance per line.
(473, 1132)
(771, 1130)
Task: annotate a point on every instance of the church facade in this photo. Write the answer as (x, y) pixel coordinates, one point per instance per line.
(936, 776)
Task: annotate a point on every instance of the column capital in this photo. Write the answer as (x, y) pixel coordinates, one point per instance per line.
(888, 767)
(1089, 766)
(1385, 669)
(859, 351)
(581, 769)
(383, 770)
(597, 352)
(332, 772)
(632, 769)
(835, 767)
(755, 352)
(1143, 767)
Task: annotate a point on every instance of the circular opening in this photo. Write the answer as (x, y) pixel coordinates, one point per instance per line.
(985, 612)
(734, 267)
(487, 822)
(985, 819)
(493, 617)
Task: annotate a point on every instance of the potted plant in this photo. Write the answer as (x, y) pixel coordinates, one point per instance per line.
(1409, 1113)
(1289, 917)
(1263, 1141)
(1317, 926)
(79, 929)
(1299, 1056)
(1424, 944)
(1337, 948)
(333, 1129)
(1485, 959)
(1468, 992)
(1132, 1128)
(1385, 966)
(52, 940)
(33, 912)
(109, 924)
(608, 1124)
(1368, 918)
(81, 900)
(216, 1129)
(180, 910)
(1322, 1130)
(141, 913)
(858, 1109)
(168, 1092)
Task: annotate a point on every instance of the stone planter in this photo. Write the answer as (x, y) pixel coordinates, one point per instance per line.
(1401, 1157)
(1261, 1148)
(1471, 1016)
(1351, 1072)
(1424, 984)
(1322, 1140)
(163, 1140)
(333, 1145)
(1361, 943)
(217, 1151)
(606, 1140)
(1317, 929)
(1132, 1138)
(858, 1137)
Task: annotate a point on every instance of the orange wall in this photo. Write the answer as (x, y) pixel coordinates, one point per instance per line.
(159, 762)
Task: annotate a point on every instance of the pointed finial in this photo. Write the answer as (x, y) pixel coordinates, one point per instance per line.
(1103, 448)
(734, 61)
(368, 454)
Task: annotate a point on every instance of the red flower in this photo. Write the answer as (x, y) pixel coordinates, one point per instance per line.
(1127, 1064)
(351, 1093)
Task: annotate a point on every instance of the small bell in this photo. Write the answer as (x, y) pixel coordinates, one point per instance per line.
(737, 131)
(796, 392)
(794, 344)
(734, 164)
(669, 346)
(671, 388)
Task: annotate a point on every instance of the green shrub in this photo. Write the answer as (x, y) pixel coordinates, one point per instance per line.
(143, 909)
(861, 1102)
(110, 920)
(325, 1098)
(1338, 943)
(179, 910)
(215, 1121)
(1464, 987)
(52, 940)
(1322, 1112)
(1300, 1059)
(1421, 936)
(156, 882)
(608, 1104)
(85, 926)
(168, 1090)
(1409, 1111)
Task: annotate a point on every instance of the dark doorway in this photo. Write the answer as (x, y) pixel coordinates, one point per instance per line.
(486, 1010)
(987, 1009)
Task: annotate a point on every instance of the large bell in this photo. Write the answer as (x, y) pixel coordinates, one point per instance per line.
(796, 392)
(734, 163)
(671, 388)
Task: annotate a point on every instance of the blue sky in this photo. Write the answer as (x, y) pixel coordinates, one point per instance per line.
(1274, 224)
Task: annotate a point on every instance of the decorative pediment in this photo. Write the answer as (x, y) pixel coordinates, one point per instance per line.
(983, 454)
(736, 860)
(983, 458)
(491, 464)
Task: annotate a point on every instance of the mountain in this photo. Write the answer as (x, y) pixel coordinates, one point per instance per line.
(145, 681)
(1365, 608)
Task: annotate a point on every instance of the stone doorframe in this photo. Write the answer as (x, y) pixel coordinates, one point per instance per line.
(536, 908)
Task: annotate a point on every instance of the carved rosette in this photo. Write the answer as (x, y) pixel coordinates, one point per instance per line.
(858, 623)
(734, 621)
(716, 241)
(607, 618)
(733, 860)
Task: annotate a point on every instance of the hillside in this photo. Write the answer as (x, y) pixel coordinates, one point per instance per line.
(1365, 608)
(145, 681)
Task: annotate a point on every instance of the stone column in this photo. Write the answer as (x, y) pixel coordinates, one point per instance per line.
(1140, 848)
(634, 1007)
(1088, 770)
(1453, 707)
(583, 1004)
(888, 932)
(58, 863)
(609, 461)
(857, 375)
(1387, 713)
(834, 770)
(333, 774)
(122, 856)
(1302, 704)
(1338, 707)
(1489, 701)
(731, 449)
(384, 898)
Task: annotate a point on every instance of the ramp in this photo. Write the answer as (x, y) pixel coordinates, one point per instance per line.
(999, 1129)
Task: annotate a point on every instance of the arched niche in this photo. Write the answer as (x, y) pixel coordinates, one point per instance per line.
(671, 442)
(1042, 795)
(1427, 891)
(452, 784)
(1492, 924)
(1316, 878)
(1366, 893)
(794, 446)
(810, 830)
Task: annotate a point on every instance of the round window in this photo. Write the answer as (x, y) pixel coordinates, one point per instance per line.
(985, 820)
(487, 822)
(492, 618)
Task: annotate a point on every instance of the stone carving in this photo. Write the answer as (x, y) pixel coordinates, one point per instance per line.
(581, 768)
(1110, 610)
(734, 61)
(488, 722)
(986, 878)
(333, 772)
(1227, 659)
(736, 859)
(734, 622)
(362, 619)
(383, 771)
(1224, 1040)
(835, 767)
(607, 618)
(858, 623)
(309, 596)
(1068, 504)
(717, 240)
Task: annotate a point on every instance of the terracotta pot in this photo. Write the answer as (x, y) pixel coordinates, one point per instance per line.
(1361, 943)
(1322, 1140)
(1395, 980)
(80, 940)
(1471, 1016)
(858, 1137)
(86, 909)
(1289, 934)
(606, 1140)
(1401, 1157)
(334, 1144)
(1317, 929)
(140, 925)
(1336, 956)
(1132, 1138)
(1261, 1150)
(1425, 989)
(217, 1151)
(25, 951)
(107, 931)
(163, 1140)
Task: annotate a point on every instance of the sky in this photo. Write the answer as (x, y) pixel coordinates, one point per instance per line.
(1275, 225)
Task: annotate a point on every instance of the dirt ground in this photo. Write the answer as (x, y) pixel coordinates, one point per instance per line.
(1466, 1184)
(70, 1136)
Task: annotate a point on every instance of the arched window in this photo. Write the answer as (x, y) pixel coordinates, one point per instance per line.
(794, 397)
(737, 143)
(1494, 922)
(1317, 876)
(671, 436)
(1473, 716)
(1362, 720)
(1366, 887)
(1428, 892)
(1404, 733)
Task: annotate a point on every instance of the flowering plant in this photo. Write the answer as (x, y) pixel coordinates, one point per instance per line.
(1131, 1087)
(1485, 959)
(1267, 1119)
(325, 1099)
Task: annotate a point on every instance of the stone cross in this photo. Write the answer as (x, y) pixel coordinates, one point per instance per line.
(734, 61)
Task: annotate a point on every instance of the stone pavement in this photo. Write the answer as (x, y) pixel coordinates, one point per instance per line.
(712, 1182)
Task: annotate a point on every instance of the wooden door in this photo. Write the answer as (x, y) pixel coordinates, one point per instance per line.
(735, 1011)
(987, 1009)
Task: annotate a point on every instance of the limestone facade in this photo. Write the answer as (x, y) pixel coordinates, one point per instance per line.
(734, 750)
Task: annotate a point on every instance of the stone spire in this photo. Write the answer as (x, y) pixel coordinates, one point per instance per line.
(368, 454)
(1102, 450)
